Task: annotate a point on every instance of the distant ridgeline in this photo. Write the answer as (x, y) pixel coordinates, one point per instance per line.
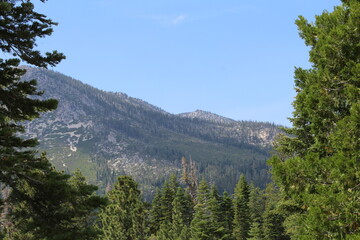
(107, 134)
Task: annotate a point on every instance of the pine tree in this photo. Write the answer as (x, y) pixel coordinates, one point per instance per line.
(273, 217)
(168, 193)
(182, 213)
(227, 212)
(318, 161)
(21, 26)
(218, 221)
(241, 224)
(62, 207)
(257, 208)
(161, 212)
(155, 214)
(201, 225)
(123, 217)
(41, 203)
(164, 232)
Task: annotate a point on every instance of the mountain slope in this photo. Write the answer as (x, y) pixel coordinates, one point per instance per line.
(106, 134)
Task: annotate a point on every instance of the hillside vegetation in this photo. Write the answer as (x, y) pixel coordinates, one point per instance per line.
(106, 134)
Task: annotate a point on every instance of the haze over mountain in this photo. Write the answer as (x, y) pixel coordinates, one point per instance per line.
(106, 134)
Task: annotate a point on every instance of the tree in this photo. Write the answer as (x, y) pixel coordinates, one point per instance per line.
(189, 176)
(123, 218)
(64, 207)
(182, 213)
(256, 206)
(217, 218)
(201, 225)
(273, 216)
(167, 197)
(318, 160)
(41, 202)
(20, 26)
(241, 224)
(155, 214)
(161, 212)
(227, 210)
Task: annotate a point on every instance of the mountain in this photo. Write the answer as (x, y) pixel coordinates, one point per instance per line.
(207, 116)
(106, 134)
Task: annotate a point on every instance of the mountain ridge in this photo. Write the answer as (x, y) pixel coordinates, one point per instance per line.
(107, 134)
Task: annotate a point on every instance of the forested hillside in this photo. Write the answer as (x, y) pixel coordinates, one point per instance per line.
(107, 134)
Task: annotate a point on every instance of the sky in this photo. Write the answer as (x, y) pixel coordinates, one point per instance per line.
(234, 58)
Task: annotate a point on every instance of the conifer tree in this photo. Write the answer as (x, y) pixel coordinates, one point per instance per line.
(227, 212)
(168, 193)
(164, 232)
(64, 208)
(273, 217)
(318, 161)
(201, 225)
(217, 219)
(41, 202)
(161, 212)
(155, 214)
(257, 207)
(182, 213)
(241, 224)
(123, 218)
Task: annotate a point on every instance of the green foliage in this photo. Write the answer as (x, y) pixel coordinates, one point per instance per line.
(273, 216)
(20, 28)
(257, 208)
(182, 213)
(318, 163)
(227, 212)
(201, 225)
(41, 203)
(219, 223)
(241, 224)
(52, 206)
(208, 222)
(162, 210)
(18, 105)
(123, 217)
(167, 197)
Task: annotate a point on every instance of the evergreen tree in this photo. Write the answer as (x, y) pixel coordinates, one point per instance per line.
(227, 212)
(185, 234)
(161, 212)
(217, 219)
(257, 207)
(155, 214)
(201, 225)
(167, 197)
(64, 208)
(273, 217)
(41, 202)
(20, 27)
(164, 232)
(182, 213)
(318, 161)
(123, 217)
(241, 224)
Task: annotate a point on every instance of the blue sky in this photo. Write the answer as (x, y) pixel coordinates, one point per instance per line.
(231, 57)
